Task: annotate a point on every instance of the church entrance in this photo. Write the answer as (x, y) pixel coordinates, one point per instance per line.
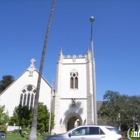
(72, 123)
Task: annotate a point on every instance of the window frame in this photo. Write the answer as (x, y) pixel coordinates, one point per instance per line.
(74, 80)
(72, 133)
(27, 96)
(100, 131)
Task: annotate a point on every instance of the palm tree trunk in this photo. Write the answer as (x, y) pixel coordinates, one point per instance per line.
(33, 133)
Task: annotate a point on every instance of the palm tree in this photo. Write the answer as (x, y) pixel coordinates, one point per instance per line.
(33, 133)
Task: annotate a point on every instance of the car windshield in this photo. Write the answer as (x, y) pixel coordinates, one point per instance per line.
(114, 130)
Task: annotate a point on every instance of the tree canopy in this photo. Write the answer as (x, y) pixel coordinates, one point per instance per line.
(4, 117)
(5, 82)
(120, 109)
(22, 116)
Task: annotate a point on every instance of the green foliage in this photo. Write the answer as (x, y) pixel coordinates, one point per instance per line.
(120, 109)
(110, 107)
(3, 127)
(4, 117)
(22, 116)
(43, 118)
(5, 82)
(45, 134)
(16, 136)
(16, 131)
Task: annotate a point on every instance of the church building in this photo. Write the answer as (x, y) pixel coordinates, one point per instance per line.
(74, 92)
(23, 89)
(73, 97)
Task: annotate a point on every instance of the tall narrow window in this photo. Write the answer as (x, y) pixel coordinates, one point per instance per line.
(24, 102)
(71, 82)
(28, 100)
(74, 80)
(32, 98)
(21, 97)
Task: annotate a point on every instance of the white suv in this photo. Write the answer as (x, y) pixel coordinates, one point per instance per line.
(89, 132)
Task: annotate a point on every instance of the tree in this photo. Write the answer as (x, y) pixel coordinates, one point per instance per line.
(110, 106)
(22, 116)
(120, 109)
(43, 118)
(133, 109)
(5, 82)
(33, 133)
(4, 117)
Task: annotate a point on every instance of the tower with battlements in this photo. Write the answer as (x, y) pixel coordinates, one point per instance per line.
(74, 92)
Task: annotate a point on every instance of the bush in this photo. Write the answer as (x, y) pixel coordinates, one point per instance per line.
(3, 127)
(26, 130)
(124, 134)
(16, 131)
(46, 134)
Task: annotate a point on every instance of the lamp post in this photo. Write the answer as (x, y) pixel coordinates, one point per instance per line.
(133, 118)
(93, 75)
(51, 107)
(50, 117)
(119, 116)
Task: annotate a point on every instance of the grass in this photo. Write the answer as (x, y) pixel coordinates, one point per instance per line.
(18, 137)
(131, 139)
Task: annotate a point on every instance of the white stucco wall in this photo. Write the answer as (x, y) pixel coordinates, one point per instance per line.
(80, 94)
(11, 96)
(66, 92)
(80, 109)
(70, 60)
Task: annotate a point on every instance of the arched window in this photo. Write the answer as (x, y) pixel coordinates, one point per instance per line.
(27, 96)
(74, 80)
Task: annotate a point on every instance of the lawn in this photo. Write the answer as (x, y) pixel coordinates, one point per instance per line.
(18, 137)
(132, 139)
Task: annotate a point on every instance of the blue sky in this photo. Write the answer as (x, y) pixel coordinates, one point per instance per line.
(116, 34)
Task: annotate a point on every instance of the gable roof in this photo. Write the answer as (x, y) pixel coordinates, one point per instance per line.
(30, 68)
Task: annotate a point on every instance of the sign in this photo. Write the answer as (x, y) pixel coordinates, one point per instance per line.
(132, 134)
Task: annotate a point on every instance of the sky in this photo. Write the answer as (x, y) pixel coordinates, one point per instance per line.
(116, 35)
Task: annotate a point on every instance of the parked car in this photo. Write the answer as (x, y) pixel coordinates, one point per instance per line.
(89, 132)
(2, 135)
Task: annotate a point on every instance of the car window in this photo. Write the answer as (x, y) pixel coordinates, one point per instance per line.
(95, 131)
(114, 130)
(79, 131)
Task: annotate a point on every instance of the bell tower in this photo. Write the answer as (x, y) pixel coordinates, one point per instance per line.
(74, 92)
